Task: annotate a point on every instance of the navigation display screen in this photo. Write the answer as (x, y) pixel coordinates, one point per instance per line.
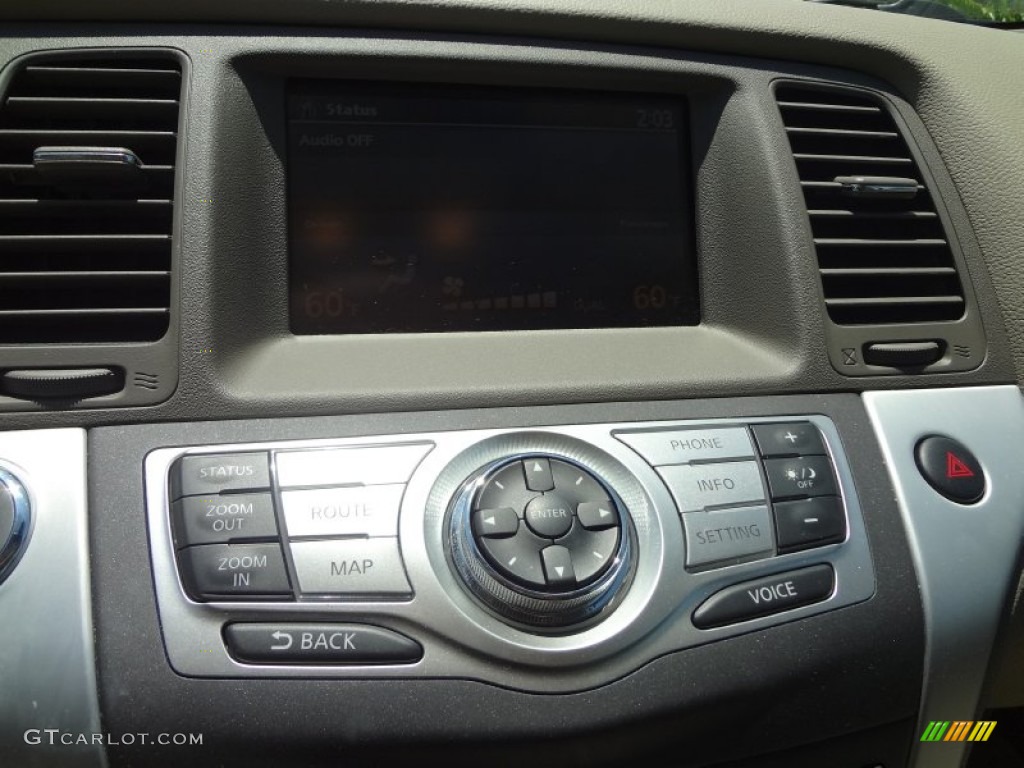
(418, 209)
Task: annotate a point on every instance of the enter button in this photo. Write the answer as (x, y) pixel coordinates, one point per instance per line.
(766, 596)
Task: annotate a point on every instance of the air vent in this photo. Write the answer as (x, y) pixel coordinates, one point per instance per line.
(87, 155)
(882, 252)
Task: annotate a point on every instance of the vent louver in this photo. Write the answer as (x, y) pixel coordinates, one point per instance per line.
(87, 155)
(882, 252)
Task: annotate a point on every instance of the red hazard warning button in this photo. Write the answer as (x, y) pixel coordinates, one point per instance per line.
(951, 469)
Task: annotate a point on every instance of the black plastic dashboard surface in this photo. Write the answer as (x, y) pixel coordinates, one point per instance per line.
(763, 689)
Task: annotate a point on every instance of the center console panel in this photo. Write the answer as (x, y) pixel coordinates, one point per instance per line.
(546, 558)
(383, 612)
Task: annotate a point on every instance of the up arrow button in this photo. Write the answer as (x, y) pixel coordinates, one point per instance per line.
(538, 475)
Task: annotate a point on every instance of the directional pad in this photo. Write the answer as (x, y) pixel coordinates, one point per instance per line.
(546, 524)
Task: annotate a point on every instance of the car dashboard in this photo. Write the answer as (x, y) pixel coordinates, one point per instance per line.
(388, 382)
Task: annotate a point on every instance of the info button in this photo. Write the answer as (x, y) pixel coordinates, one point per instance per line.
(700, 486)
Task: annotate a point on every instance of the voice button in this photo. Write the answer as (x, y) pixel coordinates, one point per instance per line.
(766, 596)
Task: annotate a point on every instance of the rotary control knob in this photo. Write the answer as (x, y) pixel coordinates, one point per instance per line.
(540, 540)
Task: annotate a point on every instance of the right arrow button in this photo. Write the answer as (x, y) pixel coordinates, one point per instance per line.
(597, 515)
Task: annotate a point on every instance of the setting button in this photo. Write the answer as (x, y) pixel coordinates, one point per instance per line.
(798, 438)
(495, 523)
(549, 515)
(239, 570)
(709, 485)
(765, 596)
(370, 510)
(319, 644)
(678, 446)
(214, 473)
(810, 522)
(218, 519)
(804, 476)
(538, 474)
(728, 534)
(350, 567)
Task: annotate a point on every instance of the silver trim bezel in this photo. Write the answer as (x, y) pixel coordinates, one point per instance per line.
(460, 638)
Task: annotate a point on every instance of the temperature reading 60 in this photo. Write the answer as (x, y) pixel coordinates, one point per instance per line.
(324, 304)
(649, 297)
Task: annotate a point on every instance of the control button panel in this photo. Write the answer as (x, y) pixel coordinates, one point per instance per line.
(288, 643)
(766, 596)
(325, 526)
(540, 559)
(776, 494)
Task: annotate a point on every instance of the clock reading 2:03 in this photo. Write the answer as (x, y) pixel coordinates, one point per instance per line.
(435, 208)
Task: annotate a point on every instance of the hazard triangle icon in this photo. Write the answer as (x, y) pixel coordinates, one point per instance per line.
(955, 466)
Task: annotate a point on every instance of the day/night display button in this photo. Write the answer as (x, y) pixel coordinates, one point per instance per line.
(801, 476)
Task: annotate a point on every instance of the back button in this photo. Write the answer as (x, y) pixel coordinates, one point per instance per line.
(319, 644)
